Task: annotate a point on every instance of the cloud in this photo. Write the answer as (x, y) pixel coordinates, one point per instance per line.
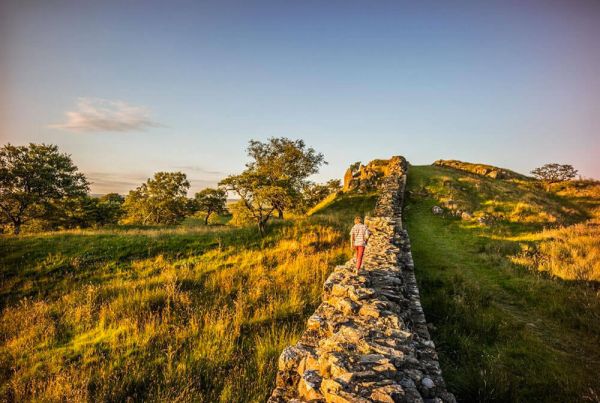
(108, 182)
(103, 115)
(199, 169)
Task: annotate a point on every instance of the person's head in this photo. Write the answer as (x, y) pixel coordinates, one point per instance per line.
(358, 220)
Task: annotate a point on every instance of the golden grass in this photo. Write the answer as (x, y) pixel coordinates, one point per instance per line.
(569, 252)
(204, 326)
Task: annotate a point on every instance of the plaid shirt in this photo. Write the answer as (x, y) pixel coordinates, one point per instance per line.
(360, 233)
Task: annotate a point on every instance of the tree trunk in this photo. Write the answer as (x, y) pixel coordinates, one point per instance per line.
(206, 218)
(261, 227)
(280, 213)
(17, 228)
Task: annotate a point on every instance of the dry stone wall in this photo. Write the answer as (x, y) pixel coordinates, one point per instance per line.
(368, 340)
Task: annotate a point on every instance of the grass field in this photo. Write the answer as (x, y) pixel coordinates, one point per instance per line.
(162, 314)
(504, 331)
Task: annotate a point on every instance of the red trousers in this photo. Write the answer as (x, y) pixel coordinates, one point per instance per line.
(360, 250)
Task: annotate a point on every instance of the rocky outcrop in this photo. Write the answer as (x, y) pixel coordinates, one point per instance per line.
(480, 169)
(368, 340)
(368, 177)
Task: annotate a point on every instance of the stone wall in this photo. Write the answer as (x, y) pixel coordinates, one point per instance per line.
(368, 340)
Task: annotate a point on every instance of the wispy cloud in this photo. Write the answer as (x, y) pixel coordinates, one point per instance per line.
(199, 169)
(107, 182)
(103, 115)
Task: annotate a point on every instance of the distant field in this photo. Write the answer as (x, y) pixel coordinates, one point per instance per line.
(162, 314)
(508, 329)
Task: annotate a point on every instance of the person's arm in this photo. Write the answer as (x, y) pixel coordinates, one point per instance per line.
(352, 238)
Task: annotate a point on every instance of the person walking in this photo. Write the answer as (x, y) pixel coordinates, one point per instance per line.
(359, 235)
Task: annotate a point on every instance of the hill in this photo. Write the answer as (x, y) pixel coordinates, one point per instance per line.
(164, 313)
(511, 320)
(508, 273)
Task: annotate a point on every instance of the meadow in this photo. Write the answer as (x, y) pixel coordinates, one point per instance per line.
(511, 319)
(186, 313)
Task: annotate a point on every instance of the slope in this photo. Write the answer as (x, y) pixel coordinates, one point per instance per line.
(504, 331)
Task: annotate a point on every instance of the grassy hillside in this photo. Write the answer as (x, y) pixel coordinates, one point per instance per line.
(162, 314)
(505, 331)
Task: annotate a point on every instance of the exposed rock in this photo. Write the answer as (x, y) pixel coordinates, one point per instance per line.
(368, 341)
(437, 210)
(480, 169)
(367, 177)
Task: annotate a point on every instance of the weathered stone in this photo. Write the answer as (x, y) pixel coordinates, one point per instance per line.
(369, 310)
(428, 383)
(290, 358)
(368, 341)
(308, 387)
(388, 394)
(437, 210)
(345, 305)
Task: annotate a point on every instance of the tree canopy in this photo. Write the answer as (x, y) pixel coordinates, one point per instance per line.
(554, 172)
(275, 178)
(285, 164)
(33, 179)
(257, 194)
(211, 201)
(161, 200)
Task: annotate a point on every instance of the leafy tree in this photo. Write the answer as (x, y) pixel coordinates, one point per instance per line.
(33, 178)
(552, 173)
(258, 195)
(334, 185)
(284, 164)
(161, 200)
(110, 208)
(86, 211)
(211, 201)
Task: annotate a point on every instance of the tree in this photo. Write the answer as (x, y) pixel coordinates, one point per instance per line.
(110, 208)
(257, 194)
(334, 185)
(33, 178)
(211, 201)
(551, 173)
(161, 200)
(285, 164)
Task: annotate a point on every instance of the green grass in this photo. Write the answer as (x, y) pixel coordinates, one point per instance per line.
(503, 332)
(187, 313)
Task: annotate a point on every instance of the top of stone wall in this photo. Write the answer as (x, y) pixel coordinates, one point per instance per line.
(368, 340)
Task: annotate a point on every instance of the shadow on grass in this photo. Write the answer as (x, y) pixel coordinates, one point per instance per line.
(503, 333)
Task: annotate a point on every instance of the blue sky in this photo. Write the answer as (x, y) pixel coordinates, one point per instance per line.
(129, 88)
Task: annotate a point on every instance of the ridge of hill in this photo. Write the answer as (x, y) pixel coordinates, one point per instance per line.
(481, 169)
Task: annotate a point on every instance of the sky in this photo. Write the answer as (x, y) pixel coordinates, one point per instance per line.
(129, 88)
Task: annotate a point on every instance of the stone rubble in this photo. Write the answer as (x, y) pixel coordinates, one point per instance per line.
(368, 340)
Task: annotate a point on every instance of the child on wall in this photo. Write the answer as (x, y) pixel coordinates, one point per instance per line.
(359, 235)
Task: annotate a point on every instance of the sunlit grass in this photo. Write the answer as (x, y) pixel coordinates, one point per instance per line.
(504, 330)
(162, 314)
